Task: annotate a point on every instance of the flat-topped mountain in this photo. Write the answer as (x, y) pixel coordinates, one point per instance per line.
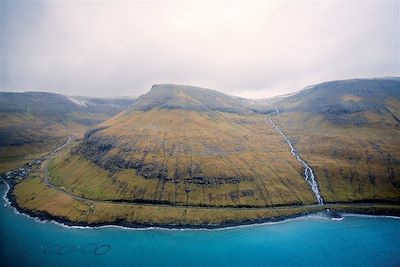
(172, 96)
(334, 97)
(185, 145)
(347, 101)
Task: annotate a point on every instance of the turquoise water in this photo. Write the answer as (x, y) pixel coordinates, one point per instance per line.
(309, 241)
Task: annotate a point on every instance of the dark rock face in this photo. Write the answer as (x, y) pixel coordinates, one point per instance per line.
(95, 149)
(92, 131)
(333, 214)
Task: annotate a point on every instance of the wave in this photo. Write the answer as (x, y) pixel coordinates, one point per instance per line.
(370, 216)
(7, 202)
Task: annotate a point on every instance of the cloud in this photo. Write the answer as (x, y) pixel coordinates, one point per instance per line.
(246, 48)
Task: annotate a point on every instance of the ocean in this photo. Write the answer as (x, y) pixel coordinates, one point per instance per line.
(313, 240)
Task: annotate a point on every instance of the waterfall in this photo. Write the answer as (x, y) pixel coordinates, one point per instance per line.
(308, 172)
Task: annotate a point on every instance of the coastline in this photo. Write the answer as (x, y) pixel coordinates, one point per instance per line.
(44, 217)
(332, 211)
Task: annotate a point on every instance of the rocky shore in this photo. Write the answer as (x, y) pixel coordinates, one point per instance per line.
(332, 213)
(43, 216)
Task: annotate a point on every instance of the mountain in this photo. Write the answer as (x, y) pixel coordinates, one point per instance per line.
(184, 145)
(348, 101)
(349, 131)
(172, 96)
(33, 123)
(182, 155)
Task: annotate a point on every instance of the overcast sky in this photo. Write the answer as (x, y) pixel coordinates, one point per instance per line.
(244, 48)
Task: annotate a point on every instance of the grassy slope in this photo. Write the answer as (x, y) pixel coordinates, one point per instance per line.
(351, 163)
(349, 132)
(188, 144)
(33, 195)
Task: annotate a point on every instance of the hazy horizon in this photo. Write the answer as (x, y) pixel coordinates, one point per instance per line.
(216, 89)
(252, 50)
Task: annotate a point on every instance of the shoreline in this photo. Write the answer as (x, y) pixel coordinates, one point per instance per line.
(43, 217)
(329, 210)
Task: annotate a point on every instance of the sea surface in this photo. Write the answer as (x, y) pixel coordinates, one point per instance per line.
(306, 241)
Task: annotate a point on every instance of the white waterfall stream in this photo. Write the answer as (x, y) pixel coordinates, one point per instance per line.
(308, 172)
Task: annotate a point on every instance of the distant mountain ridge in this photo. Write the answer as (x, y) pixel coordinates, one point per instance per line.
(348, 95)
(35, 122)
(352, 95)
(335, 99)
(172, 96)
(352, 102)
(33, 111)
(43, 103)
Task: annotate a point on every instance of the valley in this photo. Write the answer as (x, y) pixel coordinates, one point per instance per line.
(34, 123)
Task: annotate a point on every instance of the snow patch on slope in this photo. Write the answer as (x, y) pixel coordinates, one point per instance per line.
(79, 102)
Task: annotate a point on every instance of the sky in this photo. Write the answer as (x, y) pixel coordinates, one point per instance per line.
(252, 49)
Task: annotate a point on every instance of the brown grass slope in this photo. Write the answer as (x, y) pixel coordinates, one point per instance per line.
(349, 132)
(190, 153)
